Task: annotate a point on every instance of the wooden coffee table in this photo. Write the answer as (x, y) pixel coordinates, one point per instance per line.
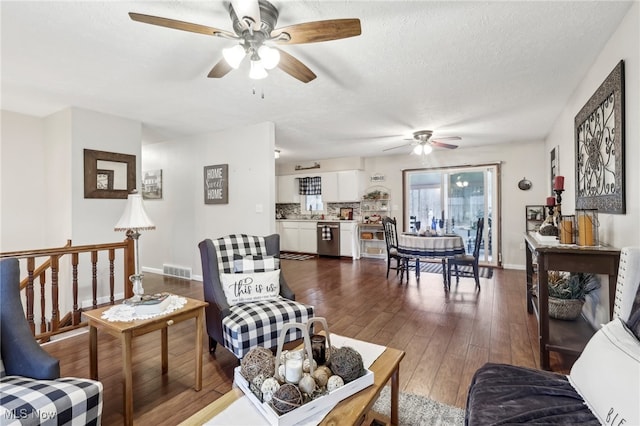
(352, 410)
(126, 331)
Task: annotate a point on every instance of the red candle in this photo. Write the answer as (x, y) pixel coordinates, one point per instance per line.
(551, 201)
(558, 183)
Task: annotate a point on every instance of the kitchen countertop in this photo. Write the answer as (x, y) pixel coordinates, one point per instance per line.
(315, 220)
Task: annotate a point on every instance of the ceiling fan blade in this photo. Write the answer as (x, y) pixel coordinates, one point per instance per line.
(249, 9)
(220, 69)
(447, 138)
(443, 145)
(179, 25)
(396, 147)
(313, 32)
(294, 67)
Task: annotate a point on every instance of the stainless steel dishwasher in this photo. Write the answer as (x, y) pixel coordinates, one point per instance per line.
(328, 234)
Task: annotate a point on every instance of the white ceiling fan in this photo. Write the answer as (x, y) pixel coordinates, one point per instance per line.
(423, 144)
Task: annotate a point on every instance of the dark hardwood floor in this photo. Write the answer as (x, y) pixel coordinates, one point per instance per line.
(446, 337)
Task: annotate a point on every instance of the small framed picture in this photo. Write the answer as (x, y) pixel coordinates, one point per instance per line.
(152, 185)
(104, 179)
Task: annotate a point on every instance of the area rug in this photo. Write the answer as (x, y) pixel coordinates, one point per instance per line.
(436, 268)
(295, 256)
(415, 410)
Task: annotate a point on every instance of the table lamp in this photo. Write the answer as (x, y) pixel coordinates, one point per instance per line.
(135, 219)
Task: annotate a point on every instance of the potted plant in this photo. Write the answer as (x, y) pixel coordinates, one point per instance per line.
(567, 293)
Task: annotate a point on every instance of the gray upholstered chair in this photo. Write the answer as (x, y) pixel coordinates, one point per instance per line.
(243, 326)
(30, 383)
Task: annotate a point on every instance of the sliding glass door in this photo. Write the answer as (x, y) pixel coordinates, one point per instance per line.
(461, 196)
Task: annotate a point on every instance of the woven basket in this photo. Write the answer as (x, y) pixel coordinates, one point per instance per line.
(565, 309)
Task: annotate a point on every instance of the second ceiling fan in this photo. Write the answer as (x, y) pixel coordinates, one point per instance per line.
(423, 144)
(254, 29)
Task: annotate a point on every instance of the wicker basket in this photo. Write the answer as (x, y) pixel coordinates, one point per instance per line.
(565, 309)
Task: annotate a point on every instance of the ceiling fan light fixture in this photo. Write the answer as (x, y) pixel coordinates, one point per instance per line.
(234, 55)
(427, 149)
(270, 57)
(257, 71)
(417, 150)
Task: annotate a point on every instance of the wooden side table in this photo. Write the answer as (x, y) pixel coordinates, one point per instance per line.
(568, 337)
(126, 331)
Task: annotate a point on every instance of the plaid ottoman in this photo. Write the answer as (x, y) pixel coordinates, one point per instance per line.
(65, 401)
(259, 323)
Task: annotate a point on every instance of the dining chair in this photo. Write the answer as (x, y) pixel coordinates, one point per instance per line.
(391, 240)
(403, 263)
(467, 260)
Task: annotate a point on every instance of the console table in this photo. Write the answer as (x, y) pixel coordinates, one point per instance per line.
(562, 336)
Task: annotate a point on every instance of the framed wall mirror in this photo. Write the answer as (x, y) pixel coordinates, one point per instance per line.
(108, 174)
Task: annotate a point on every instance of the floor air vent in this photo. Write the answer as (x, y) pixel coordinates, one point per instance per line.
(177, 271)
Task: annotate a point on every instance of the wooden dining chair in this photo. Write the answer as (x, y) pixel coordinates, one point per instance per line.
(403, 263)
(391, 240)
(467, 260)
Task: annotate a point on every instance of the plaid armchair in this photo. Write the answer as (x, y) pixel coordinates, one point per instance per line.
(243, 326)
(31, 390)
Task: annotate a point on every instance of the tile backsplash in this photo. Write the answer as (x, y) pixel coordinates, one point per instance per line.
(331, 211)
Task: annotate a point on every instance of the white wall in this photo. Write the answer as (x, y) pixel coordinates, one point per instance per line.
(22, 189)
(181, 217)
(42, 186)
(616, 230)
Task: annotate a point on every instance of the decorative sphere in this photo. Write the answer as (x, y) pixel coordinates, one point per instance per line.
(269, 386)
(321, 377)
(258, 380)
(306, 365)
(347, 363)
(307, 384)
(258, 360)
(334, 383)
(286, 398)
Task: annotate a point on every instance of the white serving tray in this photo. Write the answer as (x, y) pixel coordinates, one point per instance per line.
(310, 408)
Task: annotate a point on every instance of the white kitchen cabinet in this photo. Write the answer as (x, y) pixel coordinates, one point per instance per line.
(330, 190)
(348, 247)
(289, 236)
(348, 183)
(298, 236)
(288, 189)
(307, 237)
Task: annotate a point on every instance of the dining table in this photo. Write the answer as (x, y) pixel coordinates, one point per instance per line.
(414, 245)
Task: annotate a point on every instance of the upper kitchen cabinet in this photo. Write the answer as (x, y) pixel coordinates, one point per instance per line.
(330, 190)
(349, 185)
(288, 189)
(341, 186)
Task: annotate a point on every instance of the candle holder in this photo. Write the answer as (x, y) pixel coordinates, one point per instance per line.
(588, 225)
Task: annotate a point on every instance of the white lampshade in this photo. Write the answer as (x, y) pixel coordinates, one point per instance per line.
(234, 55)
(270, 57)
(257, 71)
(134, 216)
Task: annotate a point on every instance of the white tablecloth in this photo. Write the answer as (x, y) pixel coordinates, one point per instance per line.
(418, 246)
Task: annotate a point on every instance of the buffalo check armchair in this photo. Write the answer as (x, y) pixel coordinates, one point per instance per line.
(241, 326)
(31, 390)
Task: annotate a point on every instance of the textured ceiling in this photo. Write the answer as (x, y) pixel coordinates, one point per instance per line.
(489, 72)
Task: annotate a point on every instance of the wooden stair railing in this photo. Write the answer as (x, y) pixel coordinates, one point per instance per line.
(54, 324)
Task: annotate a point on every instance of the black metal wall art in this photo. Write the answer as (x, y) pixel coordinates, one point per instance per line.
(599, 134)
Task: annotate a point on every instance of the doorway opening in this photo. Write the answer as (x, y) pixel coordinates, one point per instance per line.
(461, 195)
